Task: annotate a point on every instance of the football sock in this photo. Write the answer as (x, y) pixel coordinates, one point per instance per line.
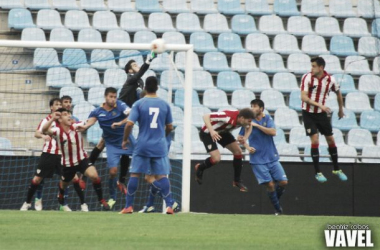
(97, 184)
(112, 183)
(152, 195)
(315, 156)
(208, 163)
(279, 190)
(165, 191)
(124, 165)
(31, 190)
(61, 193)
(334, 155)
(133, 184)
(238, 165)
(39, 189)
(79, 191)
(66, 195)
(94, 155)
(274, 200)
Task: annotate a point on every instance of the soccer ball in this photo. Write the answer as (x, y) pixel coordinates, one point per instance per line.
(158, 46)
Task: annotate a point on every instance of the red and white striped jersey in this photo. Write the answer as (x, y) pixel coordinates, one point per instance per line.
(318, 90)
(71, 145)
(50, 147)
(222, 122)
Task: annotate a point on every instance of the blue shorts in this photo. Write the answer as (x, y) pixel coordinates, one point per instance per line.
(114, 154)
(150, 165)
(269, 172)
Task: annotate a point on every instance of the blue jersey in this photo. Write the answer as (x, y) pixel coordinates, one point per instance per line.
(152, 114)
(266, 151)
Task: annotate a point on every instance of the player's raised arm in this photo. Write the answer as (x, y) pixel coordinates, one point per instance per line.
(214, 135)
(83, 127)
(46, 128)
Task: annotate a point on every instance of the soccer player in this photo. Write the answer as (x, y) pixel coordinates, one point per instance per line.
(67, 104)
(263, 154)
(217, 128)
(74, 157)
(150, 156)
(315, 89)
(112, 117)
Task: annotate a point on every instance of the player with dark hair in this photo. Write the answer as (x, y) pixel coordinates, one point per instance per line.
(315, 89)
(264, 158)
(217, 128)
(67, 103)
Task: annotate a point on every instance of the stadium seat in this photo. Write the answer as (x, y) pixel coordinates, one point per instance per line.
(215, 24)
(284, 149)
(37, 4)
(342, 46)
(215, 99)
(104, 21)
(19, 19)
(299, 26)
(357, 102)
(74, 92)
(341, 8)
(180, 61)
(346, 83)
(174, 37)
(64, 5)
(144, 37)
(77, 20)
(96, 95)
(273, 99)
(202, 42)
(74, 59)
(346, 123)
(5, 145)
(177, 114)
(48, 19)
(314, 45)
(33, 34)
(175, 6)
(376, 65)
(188, 23)
(203, 6)
(286, 118)
(371, 151)
(197, 115)
(89, 36)
(87, 78)
(368, 46)
(241, 98)
(161, 63)
(243, 24)
(298, 137)
(271, 25)
(148, 6)
(230, 7)
(132, 22)
(103, 59)
(258, 43)
(230, 43)
(127, 55)
(332, 101)
(279, 138)
(162, 93)
(58, 78)
(257, 7)
(228, 81)
(14, 4)
(215, 62)
(179, 98)
(114, 78)
(147, 74)
(332, 64)
(368, 8)
(45, 58)
(376, 27)
(285, 8)
(82, 110)
(327, 27)
(160, 22)
(271, 63)
(338, 138)
(369, 84)
(93, 5)
(178, 134)
(173, 79)
(359, 138)
(295, 100)
(355, 27)
(377, 102)
(370, 120)
(299, 63)
(120, 5)
(357, 65)
(285, 82)
(243, 62)
(202, 80)
(286, 44)
(118, 36)
(323, 151)
(176, 151)
(94, 134)
(313, 8)
(61, 35)
(257, 81)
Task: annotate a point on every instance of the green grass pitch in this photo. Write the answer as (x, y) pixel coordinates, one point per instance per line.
(111, 231)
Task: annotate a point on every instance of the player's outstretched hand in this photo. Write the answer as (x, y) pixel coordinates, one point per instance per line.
(215, 136)
(240, 139)
(340, 114)
(115, 125)
(326, 109)
(56, 115)
(151, 56)
(81, 128)
(251, 150)
(124, 144)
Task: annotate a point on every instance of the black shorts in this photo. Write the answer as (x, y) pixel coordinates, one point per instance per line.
(49, 165)
(315, 122)
(68, 173)
(210, 145)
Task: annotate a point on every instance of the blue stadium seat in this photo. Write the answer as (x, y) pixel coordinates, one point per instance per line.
(203, 6)
(197, 115)
(118, 36)
(148, 6)
(96, 95)
(279, 138)
(286, 118)
(271, 63)
(376, 65)
(355, 27)
(314, 45)
(313, 8)
(45, 58)
(215, 99)
(114, 78)
(215, 24)
(377, 102)
(228, 81)
(376, 27)
(87, 78)
(77, 20)
(295, 100)
(370, 120)
(368, 46)
(273, 99)
(163, 94)
(298, 137)
(332, 101)
(104, 21)
(258, 7)
(58, 78)
(37, 4)
(243, 24)
(369, 84)
(327, 27)
(285, 44)
(103, 59)
(20, 19)
(202, 42)
(285, 82)
(346, 83)
(64, 5)
(13, 4)
(33, 34)
(342, 46)
(160, 22)
(357, 102)
(170, 77)
(241, 98)
(144, 37)
(120, 5)
(368, 8)
(323, 151)
(74, 59)
(332, 64)
(61, 35)
(299, 63)
(284, 149)
(230, 7)
(180, 61)
(299, 26)
(48, 19)
(346, 123)
(179, 98)
(161, 63)
(127, 55)
(177, 114)
(271, 25)
(89, 36)
(202, 80)
(82, 110)
(359, 138)
(175, 6)
(94, 134)
(258, 43)
(230, 43)
(341, 8)
(371, 151)
(188, 23)
(243, 62)
(132, 22)
(357, 65)
(215, 62)
(93, 5)
(6, 145)
(174, 37)
(74, 92)
(257, 81)
(285, 8)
